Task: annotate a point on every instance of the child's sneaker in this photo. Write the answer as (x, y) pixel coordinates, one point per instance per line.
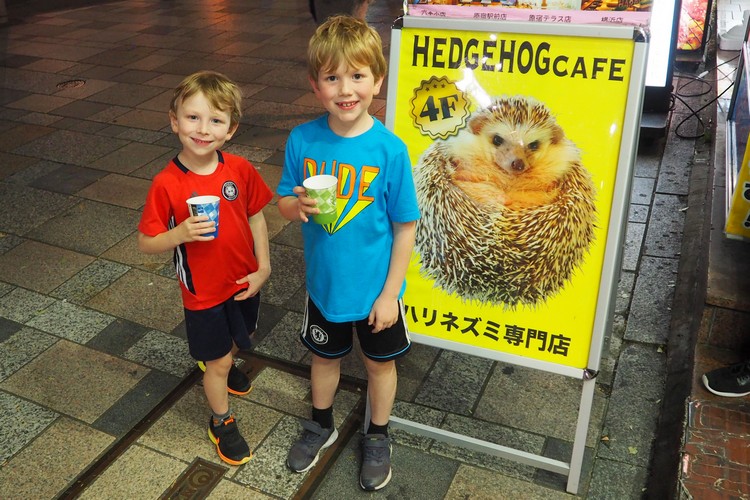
(376, 462)
(731, 381)
(304, 454)
(230, 445)
(237, 382)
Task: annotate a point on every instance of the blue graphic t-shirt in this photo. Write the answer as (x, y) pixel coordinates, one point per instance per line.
(347, 261)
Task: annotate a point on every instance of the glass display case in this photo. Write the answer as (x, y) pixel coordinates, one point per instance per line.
(692, 30)
(737, 155)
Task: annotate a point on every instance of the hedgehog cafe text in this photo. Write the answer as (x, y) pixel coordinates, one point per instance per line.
(509, 57)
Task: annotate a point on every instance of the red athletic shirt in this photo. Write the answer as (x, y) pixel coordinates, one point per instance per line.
(207, 270)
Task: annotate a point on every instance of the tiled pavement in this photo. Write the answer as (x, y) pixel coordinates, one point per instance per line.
(98, 396)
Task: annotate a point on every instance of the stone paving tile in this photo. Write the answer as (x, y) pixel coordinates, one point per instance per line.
(33, 207)
(291, 394)
(11, 164)
(125, 94)
(8, 328)
(22, 347)
(65, 179)
(9, 242)
(228, 490)
(143, 118)
(613, 479)
(648, 159)
(89, 281)
(39, 103)
(81, 109)
(129, 158)
(267, 471)
(538, 402)
(154, 470)
(287, 276)
(20, 422)
(275, 223)
(643, 191)
(638, 213)
(20, 305)
(31, 173)
(70, 147)
(58, 376)
(117, 337)
(163, 352)
(281, 116)
(504, 436)
(557, 449)
(126, 252)
(118, 190)
(342, 481)
(633, 409)
(77, 442)
(265, 137)
(90, 227)
(143, 298)
(664, 235)
(414, 414)
(455, 382)
(651, 298)
(182, 431)
(39, 266)
(633, 241)
(71, 322)
(29, 81)
(674, 172)
(135, 405)
(283, 341)
(481, 484)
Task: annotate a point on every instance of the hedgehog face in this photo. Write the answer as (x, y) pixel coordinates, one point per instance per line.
(522, 138)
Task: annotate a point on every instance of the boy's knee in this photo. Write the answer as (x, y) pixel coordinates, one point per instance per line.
(379, 367)
(220, 365)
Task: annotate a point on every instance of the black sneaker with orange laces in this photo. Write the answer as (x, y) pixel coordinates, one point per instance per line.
(238, 383)
(230, 445)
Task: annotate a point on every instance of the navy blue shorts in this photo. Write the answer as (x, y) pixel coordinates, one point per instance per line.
(334, 340)
(211, 332)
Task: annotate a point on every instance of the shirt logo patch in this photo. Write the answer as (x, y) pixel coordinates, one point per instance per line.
(318, 335)
(229, 190)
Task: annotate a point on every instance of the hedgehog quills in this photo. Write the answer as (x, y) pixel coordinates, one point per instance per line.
(500, 255)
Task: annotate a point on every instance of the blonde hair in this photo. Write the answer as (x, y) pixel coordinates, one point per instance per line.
(221, 92)
(345, 39)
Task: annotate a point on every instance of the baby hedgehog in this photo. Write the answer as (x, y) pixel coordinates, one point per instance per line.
(508, 209)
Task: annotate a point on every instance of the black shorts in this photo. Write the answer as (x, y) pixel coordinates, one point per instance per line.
(210, 332)
(334, 340)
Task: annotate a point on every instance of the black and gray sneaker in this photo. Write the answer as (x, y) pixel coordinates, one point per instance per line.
(731, 381)
(304, 454)
(376, 462)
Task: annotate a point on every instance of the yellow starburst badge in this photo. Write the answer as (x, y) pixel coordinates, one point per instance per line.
(439, 108)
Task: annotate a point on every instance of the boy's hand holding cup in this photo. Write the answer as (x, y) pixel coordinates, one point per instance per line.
(324, 190)
(208, 206)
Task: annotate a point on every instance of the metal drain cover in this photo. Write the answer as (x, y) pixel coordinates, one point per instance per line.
(71, 84)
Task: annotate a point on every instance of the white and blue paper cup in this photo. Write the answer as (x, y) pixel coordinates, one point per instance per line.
(206, 205)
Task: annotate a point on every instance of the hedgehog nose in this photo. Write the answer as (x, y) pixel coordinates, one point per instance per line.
(518, 165)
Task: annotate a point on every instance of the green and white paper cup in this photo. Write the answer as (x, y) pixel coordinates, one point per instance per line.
(324, 190)
(206, 205)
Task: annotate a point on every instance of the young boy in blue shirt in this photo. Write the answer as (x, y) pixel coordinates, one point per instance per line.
(356, 266)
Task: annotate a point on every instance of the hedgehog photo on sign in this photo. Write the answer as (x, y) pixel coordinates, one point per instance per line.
(508, 209)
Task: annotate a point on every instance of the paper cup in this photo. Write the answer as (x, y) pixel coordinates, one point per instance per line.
(323, 189)
(206, 205)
